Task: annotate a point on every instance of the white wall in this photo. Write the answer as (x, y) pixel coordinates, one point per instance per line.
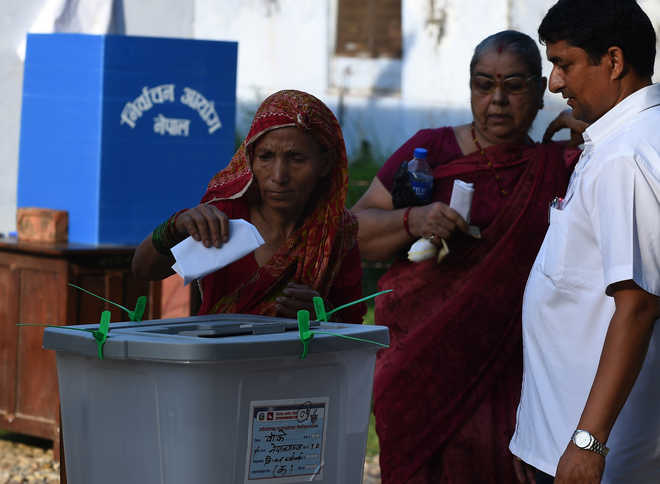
(439, 37)
(282, 44)
(158, 18)
(15, 19)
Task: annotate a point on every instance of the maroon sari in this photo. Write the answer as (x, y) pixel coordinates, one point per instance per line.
(446, 390)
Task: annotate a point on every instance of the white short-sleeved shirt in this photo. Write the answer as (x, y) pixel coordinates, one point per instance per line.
(607, 230)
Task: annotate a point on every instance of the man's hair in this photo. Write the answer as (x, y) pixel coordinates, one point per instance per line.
(597, 25)
(513, 41)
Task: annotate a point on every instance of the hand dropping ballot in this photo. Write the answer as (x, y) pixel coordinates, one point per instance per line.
(461, 201)
(194, 261)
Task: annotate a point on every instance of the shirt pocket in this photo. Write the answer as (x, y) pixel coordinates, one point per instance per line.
(554, 260)
(568, 258)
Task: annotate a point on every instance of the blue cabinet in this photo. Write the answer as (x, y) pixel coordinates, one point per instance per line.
(123, 131)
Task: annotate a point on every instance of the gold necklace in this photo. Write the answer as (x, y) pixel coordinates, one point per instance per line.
(502, 191)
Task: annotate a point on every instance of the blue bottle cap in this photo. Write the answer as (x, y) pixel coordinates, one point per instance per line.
(420, 153)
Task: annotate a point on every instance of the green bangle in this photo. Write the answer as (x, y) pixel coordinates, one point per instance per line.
(157, 237)
(163, 238)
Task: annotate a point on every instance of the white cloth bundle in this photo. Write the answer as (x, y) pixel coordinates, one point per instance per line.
(461, 201)
(424, 249)
(194, 261)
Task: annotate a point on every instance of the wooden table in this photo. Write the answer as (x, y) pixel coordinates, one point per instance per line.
(33, 289)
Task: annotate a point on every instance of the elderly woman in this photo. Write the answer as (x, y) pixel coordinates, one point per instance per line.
(446, 390)
(288, 178)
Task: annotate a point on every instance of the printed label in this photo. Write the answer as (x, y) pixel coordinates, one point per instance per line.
(287, 440)
(421, 188)
(165, 93)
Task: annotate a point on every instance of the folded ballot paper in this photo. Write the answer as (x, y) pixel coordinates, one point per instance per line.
(194, 261)
(461, 198)
(461, 201)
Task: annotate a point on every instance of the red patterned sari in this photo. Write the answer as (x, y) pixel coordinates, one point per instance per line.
(321, 253)
(446, 390)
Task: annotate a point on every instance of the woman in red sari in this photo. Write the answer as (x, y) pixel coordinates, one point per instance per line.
(289, 178)
(446, 390)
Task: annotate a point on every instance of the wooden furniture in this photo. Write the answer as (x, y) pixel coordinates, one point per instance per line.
(33, 289)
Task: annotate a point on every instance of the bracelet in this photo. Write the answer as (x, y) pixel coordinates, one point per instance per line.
(171, 225)
(406, 214)
(163, 238)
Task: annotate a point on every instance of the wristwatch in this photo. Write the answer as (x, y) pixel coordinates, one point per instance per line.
(584, 440)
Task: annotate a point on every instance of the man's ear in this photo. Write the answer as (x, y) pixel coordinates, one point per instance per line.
(617, 63)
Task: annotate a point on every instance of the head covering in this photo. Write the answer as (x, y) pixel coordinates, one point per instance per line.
(312, 255)
(280, 110)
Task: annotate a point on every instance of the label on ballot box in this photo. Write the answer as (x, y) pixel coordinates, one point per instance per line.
(287, 440)
(123, 131)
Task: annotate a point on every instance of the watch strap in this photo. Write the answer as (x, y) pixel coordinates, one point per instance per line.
(595, 445)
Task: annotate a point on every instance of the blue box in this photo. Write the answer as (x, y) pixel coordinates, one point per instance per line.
(123, 131)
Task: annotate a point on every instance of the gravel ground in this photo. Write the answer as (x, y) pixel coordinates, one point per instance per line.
(24, 459)
(371, 471)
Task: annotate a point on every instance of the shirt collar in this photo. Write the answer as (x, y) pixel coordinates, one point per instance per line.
(622, 112)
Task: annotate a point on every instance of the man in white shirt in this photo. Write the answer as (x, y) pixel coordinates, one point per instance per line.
(590, 340)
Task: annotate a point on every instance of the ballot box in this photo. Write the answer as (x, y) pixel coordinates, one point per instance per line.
(221, 398)
(123, 131)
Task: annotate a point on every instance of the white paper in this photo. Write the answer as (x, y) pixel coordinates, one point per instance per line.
(194, 261)
(461, 198)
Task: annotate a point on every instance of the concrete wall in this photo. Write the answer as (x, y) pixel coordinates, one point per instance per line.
(431, 79)
(16, 17)
(290, 44)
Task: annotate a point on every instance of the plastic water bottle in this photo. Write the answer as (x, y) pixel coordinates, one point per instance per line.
(421, 176)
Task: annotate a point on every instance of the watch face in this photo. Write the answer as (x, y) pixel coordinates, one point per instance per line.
(582, 439)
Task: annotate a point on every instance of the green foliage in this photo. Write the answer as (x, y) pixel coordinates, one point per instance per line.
(369, 317)
(361, 170)
(372, 439)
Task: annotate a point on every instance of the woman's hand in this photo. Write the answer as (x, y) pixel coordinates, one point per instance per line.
(294, 298)
(203, 222)
(435, 221)
(565, 119)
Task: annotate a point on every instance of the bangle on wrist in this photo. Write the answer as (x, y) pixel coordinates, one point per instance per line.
(406, 225)
(157, 241)
(164, 237)
(171, 226)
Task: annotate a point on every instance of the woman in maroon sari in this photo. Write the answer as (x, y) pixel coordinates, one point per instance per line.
(446, 390)
(289, 178)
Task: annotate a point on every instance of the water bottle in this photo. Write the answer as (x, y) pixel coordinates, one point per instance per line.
(421, 177)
